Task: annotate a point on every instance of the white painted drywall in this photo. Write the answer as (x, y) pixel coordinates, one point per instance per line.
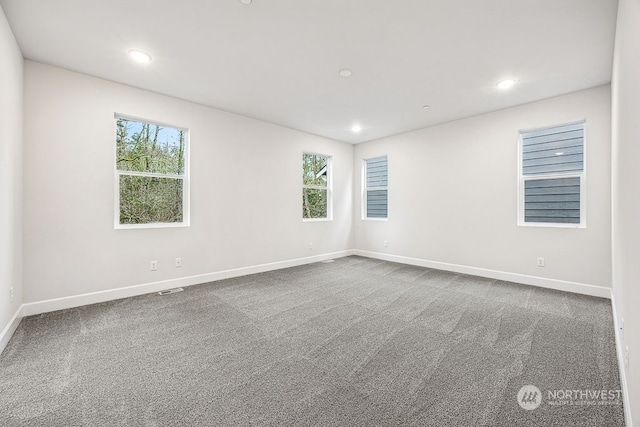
(626, 189)
(453, 194)
(11, 85)
(246, 190)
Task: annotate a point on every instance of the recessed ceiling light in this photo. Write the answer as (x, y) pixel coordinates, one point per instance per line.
(345, 72)
(245, 1)
(559, 153)
(356, 128)
(140, 56)
(506, 84)
(426, 107)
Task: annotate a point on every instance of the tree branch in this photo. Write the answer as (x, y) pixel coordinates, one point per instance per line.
(127, 159)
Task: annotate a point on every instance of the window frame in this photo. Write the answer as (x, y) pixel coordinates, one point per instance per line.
(328, 188)
(522, 179)
(186, 211)
(365, 189)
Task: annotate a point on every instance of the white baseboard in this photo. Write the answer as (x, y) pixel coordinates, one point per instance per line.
(46, 306)
(8, 331)
(623, 372)
(561, 285)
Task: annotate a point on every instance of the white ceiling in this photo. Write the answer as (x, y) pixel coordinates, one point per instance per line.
(278, 60)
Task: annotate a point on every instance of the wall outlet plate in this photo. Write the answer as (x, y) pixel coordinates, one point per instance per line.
(626, 358)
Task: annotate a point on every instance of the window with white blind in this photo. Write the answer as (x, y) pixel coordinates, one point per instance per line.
(552, 174)
(375, 192)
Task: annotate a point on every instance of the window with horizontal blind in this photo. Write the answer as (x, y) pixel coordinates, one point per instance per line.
(552, 173)
(375, 179)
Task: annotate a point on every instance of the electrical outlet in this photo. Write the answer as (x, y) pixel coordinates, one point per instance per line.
(154, 266)
(11, 294)
(626, 358)
(386, 244)
(178, 262)
(310, 245)
(540, 262)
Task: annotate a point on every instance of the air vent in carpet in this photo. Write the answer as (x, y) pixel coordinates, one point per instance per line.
(170, 291)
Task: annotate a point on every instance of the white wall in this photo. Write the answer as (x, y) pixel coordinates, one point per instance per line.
(626, 188)
(453, 194)
(11, 85)
(246, 193)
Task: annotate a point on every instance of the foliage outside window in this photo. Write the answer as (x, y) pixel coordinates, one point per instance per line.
(316, 186)
(151, 182)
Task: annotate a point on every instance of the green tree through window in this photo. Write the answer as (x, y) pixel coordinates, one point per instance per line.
(151, 167)
(315, 186)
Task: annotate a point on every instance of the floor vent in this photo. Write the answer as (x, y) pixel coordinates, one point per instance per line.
(170, 291)
(327, 261)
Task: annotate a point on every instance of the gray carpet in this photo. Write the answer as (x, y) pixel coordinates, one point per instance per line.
(355, 342)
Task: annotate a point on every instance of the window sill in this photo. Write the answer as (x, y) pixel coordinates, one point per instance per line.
(550, 225)
(151, 225)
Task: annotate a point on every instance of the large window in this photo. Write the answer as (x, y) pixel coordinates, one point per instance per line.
(375, 192)
(552, 174)
(151, 174)
(316, 186)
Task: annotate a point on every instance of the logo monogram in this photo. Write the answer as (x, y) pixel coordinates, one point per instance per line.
(529, 397)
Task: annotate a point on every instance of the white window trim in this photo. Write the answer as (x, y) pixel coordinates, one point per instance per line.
(582, 175)
(363, 195)
(328, 188)
(186, 212)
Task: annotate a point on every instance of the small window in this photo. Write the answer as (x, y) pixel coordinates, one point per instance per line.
(375, 192)
(316, 186)
(151, 174)
(552, 173)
